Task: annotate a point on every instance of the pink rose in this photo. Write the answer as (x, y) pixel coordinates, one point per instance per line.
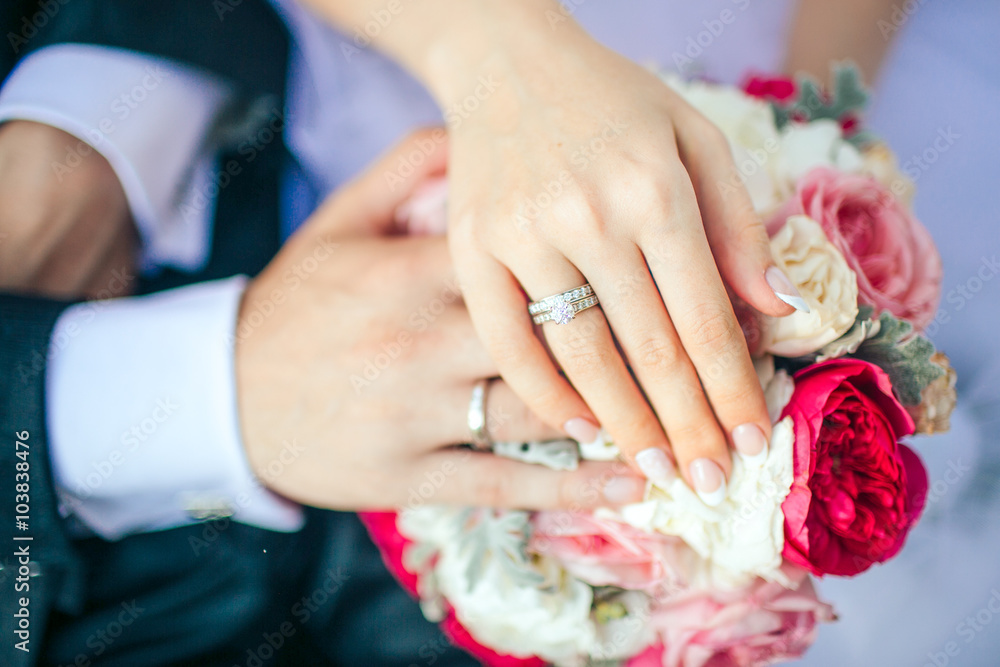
(609, 553)
(857, 491)
(896, 261)
(761, 624)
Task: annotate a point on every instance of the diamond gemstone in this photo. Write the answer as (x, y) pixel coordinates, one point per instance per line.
(561, 311)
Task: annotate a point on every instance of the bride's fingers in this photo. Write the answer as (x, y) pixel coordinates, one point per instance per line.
(499, 310)
(585, 349)
(683, 267)
(738, 238)
(367, 204)
(462, 477)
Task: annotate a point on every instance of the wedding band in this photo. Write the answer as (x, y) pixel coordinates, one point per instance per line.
(480, 439)
(563, 307)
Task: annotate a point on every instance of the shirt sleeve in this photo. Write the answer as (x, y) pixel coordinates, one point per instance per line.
(143, 420)
(151, 118)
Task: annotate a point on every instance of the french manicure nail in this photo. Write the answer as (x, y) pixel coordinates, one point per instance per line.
(624, 490)
(581, 430)
(785, 289)
(750, 444)
(655, 465)
(709, 482)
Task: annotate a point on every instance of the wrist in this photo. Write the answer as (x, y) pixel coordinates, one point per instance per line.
(451, 45)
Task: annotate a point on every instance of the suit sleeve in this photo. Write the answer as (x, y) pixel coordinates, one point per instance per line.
(40, 566)
(235, 40)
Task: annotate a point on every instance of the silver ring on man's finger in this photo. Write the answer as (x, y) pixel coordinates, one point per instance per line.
(479, 437)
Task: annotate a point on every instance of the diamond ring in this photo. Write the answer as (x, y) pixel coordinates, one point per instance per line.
(562, 308)
(476, 419)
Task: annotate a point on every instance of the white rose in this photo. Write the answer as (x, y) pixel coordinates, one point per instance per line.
(502, 608)
(748, 124)
(743, 536)
(777, 386)
(829, 287)
(805, 146)
(551, 621)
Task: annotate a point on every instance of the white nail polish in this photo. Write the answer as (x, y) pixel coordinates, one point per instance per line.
(755, 461)
(785, 289)
(655, 465)
(709, 481)
(751, 444)
(796, 302)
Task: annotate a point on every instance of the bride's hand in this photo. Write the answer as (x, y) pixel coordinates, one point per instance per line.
(585, 168)
(571, 165)
(358, 347)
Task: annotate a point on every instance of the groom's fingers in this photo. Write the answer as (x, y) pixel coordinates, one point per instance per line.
(464, 477)
(507, 417)
(366, 205)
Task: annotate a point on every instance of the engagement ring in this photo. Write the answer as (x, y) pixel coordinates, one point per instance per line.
(562, 308)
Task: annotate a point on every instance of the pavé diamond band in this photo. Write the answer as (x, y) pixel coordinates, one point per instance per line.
(562, 308)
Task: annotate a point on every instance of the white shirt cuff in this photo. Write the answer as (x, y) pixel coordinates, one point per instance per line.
(142, 415)
(150, 118)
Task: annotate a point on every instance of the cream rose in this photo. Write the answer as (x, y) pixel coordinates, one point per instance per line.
(822, 276)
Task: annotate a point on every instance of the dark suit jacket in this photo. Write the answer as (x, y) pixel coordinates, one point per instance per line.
(241, 40)
(215, 593)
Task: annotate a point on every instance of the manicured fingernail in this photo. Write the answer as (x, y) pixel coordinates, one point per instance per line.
(709, 482)
(581, 430)
(655, 465)
(785, 289)
(750, 444)
(624, 490)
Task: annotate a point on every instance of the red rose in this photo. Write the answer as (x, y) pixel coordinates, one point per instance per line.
(780, 89)
(857, 491)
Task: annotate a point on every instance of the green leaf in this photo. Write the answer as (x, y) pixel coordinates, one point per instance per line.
(500, 534)
(903, 355)
(848, 97)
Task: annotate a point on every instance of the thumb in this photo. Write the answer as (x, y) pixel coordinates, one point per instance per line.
(366, 205)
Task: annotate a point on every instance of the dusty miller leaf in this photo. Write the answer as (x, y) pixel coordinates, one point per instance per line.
(903, 355)
(848, 98)
(500, 534)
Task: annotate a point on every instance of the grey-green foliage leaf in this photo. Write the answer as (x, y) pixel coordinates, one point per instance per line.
(903, 355)
(500, 534)
(848, 97)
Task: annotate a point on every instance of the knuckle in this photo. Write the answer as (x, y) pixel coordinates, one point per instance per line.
(715, 138)
(739, 395)
(570, 491)
(548, 399)
(751, 234)
(714, 330)
(493, 491)
(658, 355)
(696, 439)
(509, 354)
(587, 362)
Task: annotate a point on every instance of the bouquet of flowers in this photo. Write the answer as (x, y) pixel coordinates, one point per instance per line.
(671, 581)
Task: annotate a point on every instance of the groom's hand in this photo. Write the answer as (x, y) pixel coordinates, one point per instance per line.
(358, 351)
(65, 226)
